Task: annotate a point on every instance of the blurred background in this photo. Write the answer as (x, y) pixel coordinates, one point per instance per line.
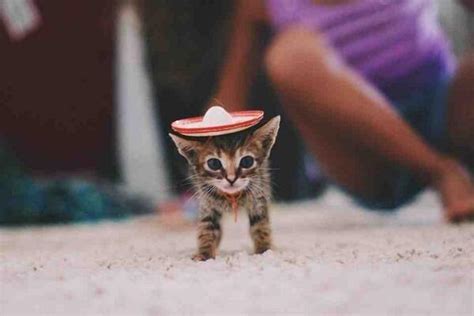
(88, 91)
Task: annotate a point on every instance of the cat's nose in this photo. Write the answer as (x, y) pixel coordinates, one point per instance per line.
(231, 180)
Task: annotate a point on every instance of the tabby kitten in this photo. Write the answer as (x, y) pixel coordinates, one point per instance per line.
(231, 167)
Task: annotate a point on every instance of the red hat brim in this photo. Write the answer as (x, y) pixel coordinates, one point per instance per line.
(193, 126)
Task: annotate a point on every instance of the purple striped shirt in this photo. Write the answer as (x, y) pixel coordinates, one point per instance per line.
(397, 45)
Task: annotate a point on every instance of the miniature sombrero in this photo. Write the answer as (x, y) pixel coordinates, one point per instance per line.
(217, 121)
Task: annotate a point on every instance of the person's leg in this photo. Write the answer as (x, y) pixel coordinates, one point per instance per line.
(349, 126)
(460, 126)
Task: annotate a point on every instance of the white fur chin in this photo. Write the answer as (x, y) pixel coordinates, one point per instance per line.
(231, 190)
(226, 188)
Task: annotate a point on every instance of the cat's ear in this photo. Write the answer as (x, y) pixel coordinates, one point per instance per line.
(266, 135)
(187, 148)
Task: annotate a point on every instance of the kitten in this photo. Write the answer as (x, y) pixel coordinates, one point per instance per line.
(231, 165)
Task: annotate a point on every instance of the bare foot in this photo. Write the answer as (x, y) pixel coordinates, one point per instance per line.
(457, 193)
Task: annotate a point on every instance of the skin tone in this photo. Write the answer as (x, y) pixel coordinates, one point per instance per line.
(352, 129)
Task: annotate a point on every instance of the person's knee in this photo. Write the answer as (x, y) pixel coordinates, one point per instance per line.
(292, 54)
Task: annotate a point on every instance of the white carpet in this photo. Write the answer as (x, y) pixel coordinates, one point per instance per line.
(331, 258)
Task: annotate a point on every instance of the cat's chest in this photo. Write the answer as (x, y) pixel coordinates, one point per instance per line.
(227, 204)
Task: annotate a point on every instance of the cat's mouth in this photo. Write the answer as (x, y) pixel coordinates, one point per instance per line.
(227, 188)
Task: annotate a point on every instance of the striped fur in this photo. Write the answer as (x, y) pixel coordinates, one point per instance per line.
(255, 194)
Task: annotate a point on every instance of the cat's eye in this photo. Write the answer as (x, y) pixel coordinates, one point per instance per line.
(214, 164)
(247, 162)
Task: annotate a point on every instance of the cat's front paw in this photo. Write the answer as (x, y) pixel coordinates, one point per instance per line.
(261, 249)
(201, 257)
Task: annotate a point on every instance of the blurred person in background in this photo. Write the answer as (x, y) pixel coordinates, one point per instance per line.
(374, 90)
(58, 105)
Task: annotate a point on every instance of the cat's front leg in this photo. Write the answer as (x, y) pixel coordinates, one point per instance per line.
(260, 229)
(209, 235)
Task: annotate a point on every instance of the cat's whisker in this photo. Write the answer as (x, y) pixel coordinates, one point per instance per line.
(205, 191)
(268, 168)
(266, 181)
(252, 192)
(191, 178)
(199, 192)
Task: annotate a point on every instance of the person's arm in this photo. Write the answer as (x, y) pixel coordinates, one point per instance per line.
(240, 61)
